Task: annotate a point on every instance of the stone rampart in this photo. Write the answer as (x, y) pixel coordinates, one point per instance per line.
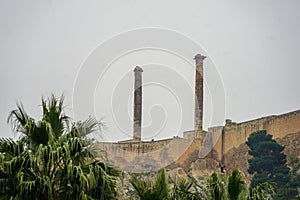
(234, 134)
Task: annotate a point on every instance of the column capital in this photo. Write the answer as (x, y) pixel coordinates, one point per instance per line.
(138, 69)
(199, 58)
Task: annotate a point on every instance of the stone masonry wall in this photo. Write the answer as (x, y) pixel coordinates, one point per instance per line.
(145, 155)
(235, 134)
(134, 146)
(238, 157)
(225, 144)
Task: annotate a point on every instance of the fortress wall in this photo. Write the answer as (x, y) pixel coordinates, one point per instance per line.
(214, 142)
(150, 155)
(283, 125)
(218, 141)
(134, 146)
(235, 134)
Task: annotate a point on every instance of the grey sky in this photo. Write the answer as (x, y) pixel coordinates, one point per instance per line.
(254, 45)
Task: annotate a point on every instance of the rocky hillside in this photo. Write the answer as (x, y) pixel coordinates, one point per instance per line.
(235, 158)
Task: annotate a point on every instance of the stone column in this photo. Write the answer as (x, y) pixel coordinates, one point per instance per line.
(199, 92)
(137, 112)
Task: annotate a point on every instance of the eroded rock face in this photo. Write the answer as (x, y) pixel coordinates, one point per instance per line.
(291, 144)
(237, 158)
(175, 174)
(202, 168)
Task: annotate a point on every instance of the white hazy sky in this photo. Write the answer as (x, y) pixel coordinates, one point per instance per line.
(254, 44)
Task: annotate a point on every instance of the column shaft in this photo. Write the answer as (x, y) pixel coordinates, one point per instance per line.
(137, 116)
(199, 92)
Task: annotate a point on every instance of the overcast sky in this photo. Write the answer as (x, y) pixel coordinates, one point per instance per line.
(254, 46)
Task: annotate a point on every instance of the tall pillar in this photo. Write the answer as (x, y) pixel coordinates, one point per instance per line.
(199, 92)
(137, 113)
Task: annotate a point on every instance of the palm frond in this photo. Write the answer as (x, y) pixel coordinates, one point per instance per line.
(18, 118)
(147, 190)
(53, 114)
(182, 190)
(236, 185)
(90, 125)
(216, 187)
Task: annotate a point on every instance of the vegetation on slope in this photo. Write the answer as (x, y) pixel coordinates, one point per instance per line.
(217, 187)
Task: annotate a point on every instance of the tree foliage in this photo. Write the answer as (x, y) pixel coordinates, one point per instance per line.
(151, 190)
(159, 189)
(268, 163)
(236, 185)
(52, 160)
(291, 190)
(263, 191)
(217, 187)
(187, 189)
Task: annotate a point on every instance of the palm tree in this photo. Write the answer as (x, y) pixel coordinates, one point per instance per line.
(52, 159)
(216, 188)
(236, 186)
(151, 190)
(160, 190)
(53, 124)
(182, 190)
(12, 157)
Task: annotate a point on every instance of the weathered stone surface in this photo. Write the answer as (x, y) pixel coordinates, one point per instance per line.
(291, 145)
(137, 113)
(234, 134)
(238, 157)
(202, 168)
(175, 174)
(199, 92)
(146, 155)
